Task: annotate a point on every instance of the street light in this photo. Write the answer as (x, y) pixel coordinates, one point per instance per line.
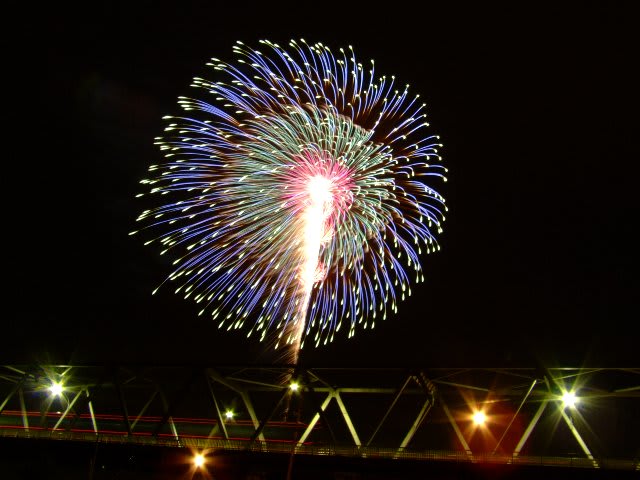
(56, 389)
(198, 460)
(569, 399)
(479, 418)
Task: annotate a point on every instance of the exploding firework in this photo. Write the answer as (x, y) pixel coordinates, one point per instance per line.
(295, 197)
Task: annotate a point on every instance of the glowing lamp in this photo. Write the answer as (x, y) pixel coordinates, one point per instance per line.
(56, 389)
(198, 460)
(569, 399)
(479, 418)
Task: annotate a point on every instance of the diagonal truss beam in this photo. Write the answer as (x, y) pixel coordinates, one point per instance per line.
(244, 395)
(167, 417)
(92, 413)
(25, 417)
(220, 422)
(144, 408)
(393, 404)
(456, 429)
(430, 391)
(320, 411)
(530, 427)
(533, 384)
(347, 419)
(13, 391)
(68, 409)
(252, 413)
(577, 436)
(171, 407)
(273, 411)
(121, 400)
(424, 411)
(315, 418)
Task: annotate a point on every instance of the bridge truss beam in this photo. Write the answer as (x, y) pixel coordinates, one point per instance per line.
(404, 413)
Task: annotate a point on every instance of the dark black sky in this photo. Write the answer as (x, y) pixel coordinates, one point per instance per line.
(537, 108)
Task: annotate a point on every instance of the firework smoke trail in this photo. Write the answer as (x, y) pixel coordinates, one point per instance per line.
(296, 197)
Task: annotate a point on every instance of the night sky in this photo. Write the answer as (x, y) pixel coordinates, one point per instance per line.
(538, 112)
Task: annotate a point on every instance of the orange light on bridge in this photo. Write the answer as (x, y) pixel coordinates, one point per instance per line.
(479, 418)
(199, 460)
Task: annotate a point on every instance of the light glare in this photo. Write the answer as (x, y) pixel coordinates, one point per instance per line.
(198, 460)
(479, 418)
(56, 389)
(569, 399)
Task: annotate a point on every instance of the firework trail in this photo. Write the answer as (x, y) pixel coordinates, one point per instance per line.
(295, 197)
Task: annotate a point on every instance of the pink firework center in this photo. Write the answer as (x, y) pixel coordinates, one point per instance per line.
(321, 192)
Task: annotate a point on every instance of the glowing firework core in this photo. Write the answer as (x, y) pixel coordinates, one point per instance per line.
(315, 215)
(319, 189)
(317, 229)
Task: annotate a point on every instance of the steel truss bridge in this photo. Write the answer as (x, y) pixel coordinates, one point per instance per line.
(420, 414)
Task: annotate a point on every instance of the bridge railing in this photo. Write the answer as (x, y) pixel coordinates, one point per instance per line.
(201, 444)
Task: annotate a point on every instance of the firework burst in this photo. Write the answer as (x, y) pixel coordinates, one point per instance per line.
(297, 196)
